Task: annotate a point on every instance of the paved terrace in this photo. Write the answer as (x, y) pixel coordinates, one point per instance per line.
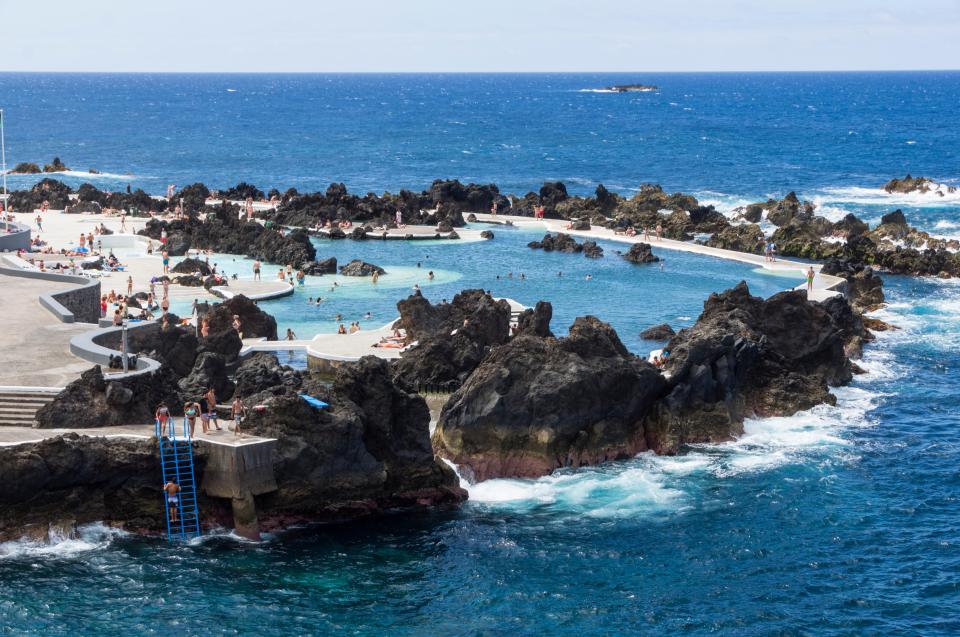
(10, 436)
(34, 344)
(823, 284)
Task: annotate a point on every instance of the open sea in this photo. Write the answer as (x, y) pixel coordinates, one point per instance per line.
(838, 521)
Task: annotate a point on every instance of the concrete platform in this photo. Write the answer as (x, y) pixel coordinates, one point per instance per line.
(25, 435)
(35, 345)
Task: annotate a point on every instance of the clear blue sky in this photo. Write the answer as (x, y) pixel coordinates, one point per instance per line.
(494, 35)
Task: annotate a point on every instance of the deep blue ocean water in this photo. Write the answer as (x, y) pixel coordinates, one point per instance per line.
(839, 521)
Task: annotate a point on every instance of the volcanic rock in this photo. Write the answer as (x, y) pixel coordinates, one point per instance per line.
(660, 332)
(536, 404)
(324, 266)
(360, 268)
(640, 253)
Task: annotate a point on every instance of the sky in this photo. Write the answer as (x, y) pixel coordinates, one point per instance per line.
(471, 36)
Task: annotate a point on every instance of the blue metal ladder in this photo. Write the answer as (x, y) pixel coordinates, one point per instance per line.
(176, 460)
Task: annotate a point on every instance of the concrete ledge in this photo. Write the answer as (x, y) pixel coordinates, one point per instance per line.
(88, 346)
(225, 293)
(18, 237)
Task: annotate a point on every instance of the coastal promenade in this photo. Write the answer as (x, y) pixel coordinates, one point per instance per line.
(824, 285)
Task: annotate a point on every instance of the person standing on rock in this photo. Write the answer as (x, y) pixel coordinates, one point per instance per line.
(810, 276)
(659, 232)
(130, 285)
(172, 490)
(256, 270)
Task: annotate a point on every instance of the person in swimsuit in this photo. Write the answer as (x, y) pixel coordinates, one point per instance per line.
(810, 275)
(238, 411)
(256, 270)
(211, 397)
(163, 415)
(191, 411)
(172, 490)
(166, 262)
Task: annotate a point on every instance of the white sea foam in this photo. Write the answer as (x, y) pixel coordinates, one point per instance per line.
(651, 485)
(89, 537)
(939, 197)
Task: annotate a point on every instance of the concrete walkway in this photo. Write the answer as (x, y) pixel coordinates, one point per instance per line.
(823, 284)
(34, 345)
(10, 436)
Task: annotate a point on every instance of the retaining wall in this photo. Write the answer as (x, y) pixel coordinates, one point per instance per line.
(17, 239)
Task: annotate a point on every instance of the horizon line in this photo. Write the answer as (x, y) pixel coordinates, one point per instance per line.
(559, 72)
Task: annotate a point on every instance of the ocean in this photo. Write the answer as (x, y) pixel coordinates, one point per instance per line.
(837, 521)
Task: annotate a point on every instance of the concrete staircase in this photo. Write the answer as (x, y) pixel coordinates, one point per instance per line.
(19, 405)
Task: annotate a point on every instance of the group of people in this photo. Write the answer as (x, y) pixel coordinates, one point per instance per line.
(206, 410)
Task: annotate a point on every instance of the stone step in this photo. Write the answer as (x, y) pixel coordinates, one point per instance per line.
(17, 409)
(33, 402)
(7, 421)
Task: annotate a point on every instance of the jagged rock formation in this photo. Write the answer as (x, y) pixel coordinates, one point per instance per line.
(535, 404)
(916, 184)
(660, 332)
(559, 242)
(360, 268)
(369, 452)
(743, 238)
(538, 403)
(640, 253)
(452, 338)
(322, 266)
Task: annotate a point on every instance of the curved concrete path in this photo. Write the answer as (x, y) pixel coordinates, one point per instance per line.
(824, 285)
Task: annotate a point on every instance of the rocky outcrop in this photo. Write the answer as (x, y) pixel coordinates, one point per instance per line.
(486, 234)
(783, 211)
(368, 453)
(640, 253)
(536, 321)
(452, 338)
(360, 268)
(261, 371)
(72, 479)
(559, 242)
(536, 404)
(592, 250)
(746, 356)
(660, 332)
(223, 231)
(916, 184)
(55, 193)
(254, 322)
(92, 401)
(743, 238)
(192, 266)
(322, 266)
(864, 288)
